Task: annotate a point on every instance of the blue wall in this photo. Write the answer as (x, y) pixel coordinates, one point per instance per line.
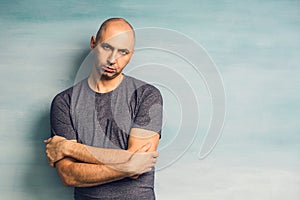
(255, 44)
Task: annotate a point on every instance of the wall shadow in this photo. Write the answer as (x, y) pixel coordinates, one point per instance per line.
(81, 63)
(40, 181)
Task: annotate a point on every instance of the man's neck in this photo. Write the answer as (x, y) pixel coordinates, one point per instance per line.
(102, 85)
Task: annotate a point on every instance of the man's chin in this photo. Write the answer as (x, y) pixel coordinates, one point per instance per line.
(109, 76)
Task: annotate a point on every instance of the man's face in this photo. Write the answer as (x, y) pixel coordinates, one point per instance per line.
(113, 52)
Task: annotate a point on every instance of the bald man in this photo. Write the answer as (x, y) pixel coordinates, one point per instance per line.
(106, 128)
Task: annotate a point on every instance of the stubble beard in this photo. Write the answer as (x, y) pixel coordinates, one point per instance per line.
(106, 75)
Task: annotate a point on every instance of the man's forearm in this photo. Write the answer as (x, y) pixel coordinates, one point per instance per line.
(94, 155)
(79, 174)
(137, 162)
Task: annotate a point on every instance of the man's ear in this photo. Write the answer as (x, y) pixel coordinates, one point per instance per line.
(93, 42)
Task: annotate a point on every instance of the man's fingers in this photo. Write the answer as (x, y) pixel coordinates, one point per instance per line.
(50, 162)
(58, 137)
(48, 140)
(135, 177)
(155, 154)
(154, 160)
(146, 147)
(54, 139)
(148, 170)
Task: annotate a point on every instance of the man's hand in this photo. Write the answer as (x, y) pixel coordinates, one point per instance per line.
(140, 162)
(55, 149)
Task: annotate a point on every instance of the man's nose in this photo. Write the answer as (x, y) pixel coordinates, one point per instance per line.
(112, 58)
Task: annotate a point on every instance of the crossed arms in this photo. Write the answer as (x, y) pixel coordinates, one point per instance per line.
(80, 165)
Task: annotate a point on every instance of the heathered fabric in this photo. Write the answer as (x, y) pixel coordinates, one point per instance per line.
(104, 120)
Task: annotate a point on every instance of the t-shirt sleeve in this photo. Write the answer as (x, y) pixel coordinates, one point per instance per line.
(60, 117)
(150, 108)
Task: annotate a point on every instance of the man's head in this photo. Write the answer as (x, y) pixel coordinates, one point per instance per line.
(113, 46)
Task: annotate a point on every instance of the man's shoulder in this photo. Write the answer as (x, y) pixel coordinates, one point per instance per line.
(140, 85)
(143, 92)
(66, 94)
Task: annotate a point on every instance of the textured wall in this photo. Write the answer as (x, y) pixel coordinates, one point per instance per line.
(255, 45)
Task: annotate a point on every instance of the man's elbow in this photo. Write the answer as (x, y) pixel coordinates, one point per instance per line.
(68, 182)
(66, 177)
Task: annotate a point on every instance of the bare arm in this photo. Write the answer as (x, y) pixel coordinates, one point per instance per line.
(140, 137)
(59, 147)
(128, 161)
(79, 174)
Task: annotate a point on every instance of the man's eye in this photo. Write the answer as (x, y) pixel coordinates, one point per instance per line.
(105, 46)
(124, 52)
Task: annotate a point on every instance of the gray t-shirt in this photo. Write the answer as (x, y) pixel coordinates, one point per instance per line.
(104, 120)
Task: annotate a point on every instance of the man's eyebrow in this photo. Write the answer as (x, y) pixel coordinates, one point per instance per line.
(105, 43)
(112, 47)
(127, 50)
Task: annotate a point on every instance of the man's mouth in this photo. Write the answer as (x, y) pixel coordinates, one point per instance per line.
(108, 69)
